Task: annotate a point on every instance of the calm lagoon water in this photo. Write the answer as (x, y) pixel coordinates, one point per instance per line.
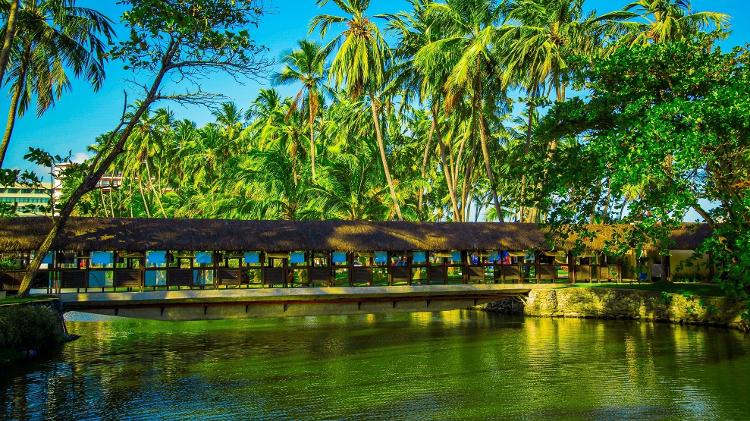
(449, 365)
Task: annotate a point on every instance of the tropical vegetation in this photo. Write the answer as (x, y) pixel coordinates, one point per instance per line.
(458, 110)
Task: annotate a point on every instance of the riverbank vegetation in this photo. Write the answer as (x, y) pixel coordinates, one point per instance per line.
(686, 289)
(457, 110)
(27, 327)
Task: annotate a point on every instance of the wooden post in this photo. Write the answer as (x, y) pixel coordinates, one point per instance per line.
(372, 270)
(666, 268)
(465, 266)
(427, 265)
(537, 267)
(86, 268)
(243, 274)
(350, 268)
(502, 266)
(388, 268)
(445, 265)
(192, 271)
(409, 259)
(215, 261)
(285, 271)
(571, 268)
(262, 259)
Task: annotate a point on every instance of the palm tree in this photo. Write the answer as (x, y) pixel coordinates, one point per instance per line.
(306, 66)
(275, 126)
(348, 188)
(359, 65)
(467, 44)
(53, 35)
(9, 33)
(666, 20)
(230, 118)
(539, 38)
(277, 195)
(413, 32)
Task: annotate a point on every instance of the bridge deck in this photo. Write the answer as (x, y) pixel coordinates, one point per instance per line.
(237, 303)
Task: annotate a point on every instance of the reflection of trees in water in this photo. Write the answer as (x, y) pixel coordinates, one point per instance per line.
(467, 364)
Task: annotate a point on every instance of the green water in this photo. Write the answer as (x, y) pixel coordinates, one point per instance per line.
(450, 365)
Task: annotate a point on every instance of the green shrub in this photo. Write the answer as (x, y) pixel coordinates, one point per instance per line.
(666, 297)
(27, 327)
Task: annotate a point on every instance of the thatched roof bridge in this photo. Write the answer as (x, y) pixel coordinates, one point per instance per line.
(87, 234)
(189, 269)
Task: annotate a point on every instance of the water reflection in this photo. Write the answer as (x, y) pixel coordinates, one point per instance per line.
(456, 364)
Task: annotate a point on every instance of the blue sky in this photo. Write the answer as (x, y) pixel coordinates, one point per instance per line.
(82, 115)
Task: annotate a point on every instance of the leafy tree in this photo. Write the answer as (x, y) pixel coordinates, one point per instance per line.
(667, 141)
(190, 38)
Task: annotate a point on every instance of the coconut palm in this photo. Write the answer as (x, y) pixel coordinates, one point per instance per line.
(306, 66)
(9, 33)
(230, 118)
(539, 39)
(424, 85)
(348, 188)
(542, 36)
(359, 65)
(277, 194)
(469, 37)
(654, 21)
(52, 38)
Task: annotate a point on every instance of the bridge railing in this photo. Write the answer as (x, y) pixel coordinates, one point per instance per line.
(174, 270)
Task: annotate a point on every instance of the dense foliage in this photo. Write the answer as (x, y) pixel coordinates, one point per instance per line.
(665, 130)
(457, 110)
(24, 327)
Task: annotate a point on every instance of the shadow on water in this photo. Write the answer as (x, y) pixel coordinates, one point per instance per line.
(448, 365)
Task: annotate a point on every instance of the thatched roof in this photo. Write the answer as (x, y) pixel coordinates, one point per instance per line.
(690, 236)
(86, 234)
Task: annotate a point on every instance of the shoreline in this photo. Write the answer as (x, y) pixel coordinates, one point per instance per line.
(31, 329)
(626, 304)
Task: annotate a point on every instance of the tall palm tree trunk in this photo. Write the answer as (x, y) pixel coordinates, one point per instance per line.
(488, 167)
(383, 157)
(425, 161)
(10, 34)
(312, 138)
(485, 149)
(143, 197)
(157, 195)
(104, 203)
(12, 113)
(527, 147)
(560, 94)
(447, 172)
(466, 188)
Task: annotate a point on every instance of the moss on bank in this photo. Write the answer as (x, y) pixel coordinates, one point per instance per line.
(687, 289)
(29, 329)
(616, 303)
